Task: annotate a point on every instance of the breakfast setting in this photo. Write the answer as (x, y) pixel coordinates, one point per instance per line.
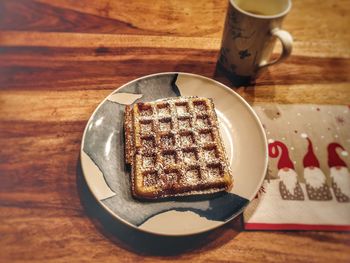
(186, 131)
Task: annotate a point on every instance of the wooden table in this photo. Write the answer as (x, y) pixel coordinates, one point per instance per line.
(60, 58)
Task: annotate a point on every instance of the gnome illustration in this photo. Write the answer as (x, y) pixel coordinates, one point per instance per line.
(316, 183)
(289, 186)
(339, 173)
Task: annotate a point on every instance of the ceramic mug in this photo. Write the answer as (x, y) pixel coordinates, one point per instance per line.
(251, 29)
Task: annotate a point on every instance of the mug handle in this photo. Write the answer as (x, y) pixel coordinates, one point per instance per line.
(286, 41)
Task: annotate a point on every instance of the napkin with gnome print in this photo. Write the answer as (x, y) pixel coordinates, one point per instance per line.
(307, 186)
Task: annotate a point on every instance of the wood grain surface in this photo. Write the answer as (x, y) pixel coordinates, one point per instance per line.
(60, 58)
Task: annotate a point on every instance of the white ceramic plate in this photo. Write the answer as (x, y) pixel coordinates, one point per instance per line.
(103, 165)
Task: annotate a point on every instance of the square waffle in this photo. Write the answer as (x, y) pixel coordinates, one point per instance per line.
(175, 149)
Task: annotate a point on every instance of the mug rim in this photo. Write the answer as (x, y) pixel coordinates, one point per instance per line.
(281, 14)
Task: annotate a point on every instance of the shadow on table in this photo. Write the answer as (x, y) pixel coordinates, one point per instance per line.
(144, 243)
(260, 89)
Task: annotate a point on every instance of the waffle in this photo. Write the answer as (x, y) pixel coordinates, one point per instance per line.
(175, 149)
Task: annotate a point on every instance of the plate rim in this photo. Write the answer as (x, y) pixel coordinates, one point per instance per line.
(261, 129)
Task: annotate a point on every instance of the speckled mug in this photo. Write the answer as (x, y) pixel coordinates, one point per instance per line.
(251, 28)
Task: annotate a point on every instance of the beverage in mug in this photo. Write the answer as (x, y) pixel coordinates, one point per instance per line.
(251, 29)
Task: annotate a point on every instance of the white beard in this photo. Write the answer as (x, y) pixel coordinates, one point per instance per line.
(289, 178)
(314, 177)
(342, 179)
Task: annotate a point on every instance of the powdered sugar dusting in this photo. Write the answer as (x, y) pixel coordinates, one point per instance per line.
(181, 145)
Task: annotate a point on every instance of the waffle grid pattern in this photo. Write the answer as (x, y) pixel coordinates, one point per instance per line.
(178, 149)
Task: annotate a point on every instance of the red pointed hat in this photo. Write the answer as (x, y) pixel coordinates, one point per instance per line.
(310, 158)
(274, 151)
(333, 157)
